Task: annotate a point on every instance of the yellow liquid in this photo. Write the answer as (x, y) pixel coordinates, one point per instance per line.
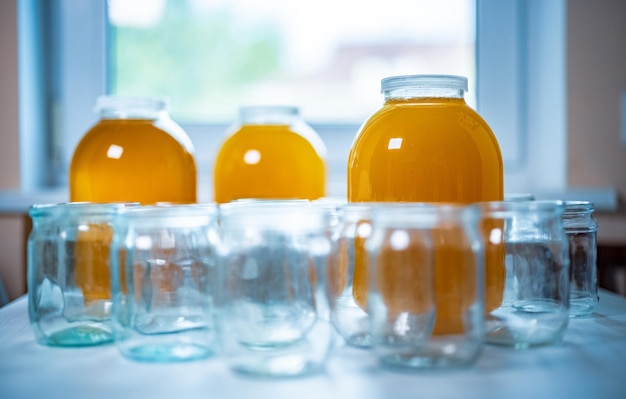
(268, 162)
(431, 150)
(91, 261)
(132, 160)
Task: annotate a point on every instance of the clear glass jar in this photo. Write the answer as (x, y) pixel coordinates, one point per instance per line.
(135, 152)
(535, 305)
(69, 285)
(274, 311)
(163, 263)
(581, 228)
(348, 275)
(425, 289)
(45, 298)
(270, 153)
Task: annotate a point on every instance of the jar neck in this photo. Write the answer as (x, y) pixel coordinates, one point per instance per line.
(119, 107)
(268, 115)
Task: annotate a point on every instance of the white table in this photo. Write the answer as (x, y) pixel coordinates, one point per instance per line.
(590, 363)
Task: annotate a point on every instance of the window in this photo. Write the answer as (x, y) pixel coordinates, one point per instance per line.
(327, 56)
(511, 50)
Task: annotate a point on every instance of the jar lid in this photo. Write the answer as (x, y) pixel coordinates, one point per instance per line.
(130, 106)
(267, 113)
(424, 82)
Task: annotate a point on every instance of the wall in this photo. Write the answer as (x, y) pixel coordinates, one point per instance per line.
(12, 227)
(596, 77)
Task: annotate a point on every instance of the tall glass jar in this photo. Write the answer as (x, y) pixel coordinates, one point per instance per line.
(270, 153)
(581, 228)
(135, 152)
(425, 144)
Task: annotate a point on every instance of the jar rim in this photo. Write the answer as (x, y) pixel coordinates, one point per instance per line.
(578, 206)
(424, 82)
(497, 207)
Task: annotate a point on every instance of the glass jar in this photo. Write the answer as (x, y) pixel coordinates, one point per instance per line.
(274, 310)
(425, 290)
(135, 152)
(535, 305)
(581, 228)
(270, 153)
(163, 268)
(348, 274)
(425, 144)
(45, 298)
(69, 285)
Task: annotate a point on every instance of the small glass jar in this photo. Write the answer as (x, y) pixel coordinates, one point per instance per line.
(581, 228)
(135, 152)
(270, 153)
(274, 311)
(163, 269)
(425, 290)
(69, 283)
(529, 237)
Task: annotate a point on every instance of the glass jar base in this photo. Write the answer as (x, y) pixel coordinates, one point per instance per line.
(277, 366)
(167, 353)
(425, 361)
(504, 336)
(581, 307)
(79, 336)
(362, 340)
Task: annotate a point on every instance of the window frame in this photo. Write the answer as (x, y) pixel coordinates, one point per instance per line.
(520, 92)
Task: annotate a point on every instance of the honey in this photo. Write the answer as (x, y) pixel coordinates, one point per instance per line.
(134, 153)
(272, 154)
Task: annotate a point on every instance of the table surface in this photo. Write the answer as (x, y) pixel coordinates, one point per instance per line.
(590, 363)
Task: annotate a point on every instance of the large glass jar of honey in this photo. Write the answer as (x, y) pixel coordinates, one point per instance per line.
(270, 153)
(135, 152)
(425, 144)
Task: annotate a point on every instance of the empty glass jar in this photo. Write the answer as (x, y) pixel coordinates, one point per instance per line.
(274, 311)
(164, 282)
(348, 274)
(69, 284)
(529, 237)
(581, 228)
(425, 289)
